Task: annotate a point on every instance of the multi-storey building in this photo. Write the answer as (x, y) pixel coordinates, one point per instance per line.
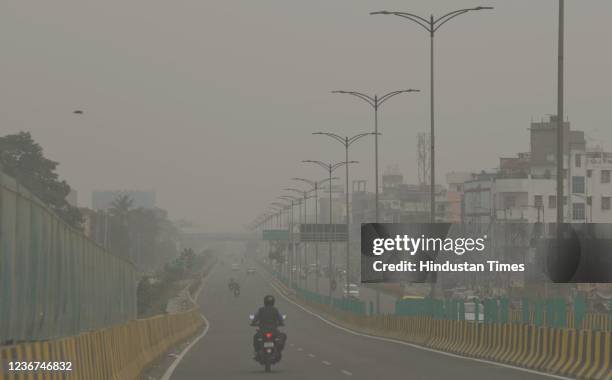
(524, 188)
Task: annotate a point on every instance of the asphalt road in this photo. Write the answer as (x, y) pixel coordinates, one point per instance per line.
(315, 349)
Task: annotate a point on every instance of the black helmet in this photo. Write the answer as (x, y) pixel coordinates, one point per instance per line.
(269, 300)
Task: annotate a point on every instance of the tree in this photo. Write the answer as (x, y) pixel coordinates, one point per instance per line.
(121, 206)
(119, 212)
(22, 158)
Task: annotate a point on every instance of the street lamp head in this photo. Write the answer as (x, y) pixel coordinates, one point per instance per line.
(482, 8)
(380, 13)
(339, 92)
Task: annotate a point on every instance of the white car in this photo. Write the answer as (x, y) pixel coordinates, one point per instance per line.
(353, 291)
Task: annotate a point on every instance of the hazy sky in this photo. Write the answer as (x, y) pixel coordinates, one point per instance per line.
(212, 102)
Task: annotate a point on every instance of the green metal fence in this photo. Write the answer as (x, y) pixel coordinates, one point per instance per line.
(54, 281)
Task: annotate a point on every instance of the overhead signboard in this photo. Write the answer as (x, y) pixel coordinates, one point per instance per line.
(275, 235)
(323, 232)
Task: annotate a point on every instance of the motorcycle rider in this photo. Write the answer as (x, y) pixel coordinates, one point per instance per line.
(232, 283)
(268, 318)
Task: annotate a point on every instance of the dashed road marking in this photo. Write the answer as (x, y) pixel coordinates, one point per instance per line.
(347, 373)
(300, 349)
(326, 362)
(311, 355)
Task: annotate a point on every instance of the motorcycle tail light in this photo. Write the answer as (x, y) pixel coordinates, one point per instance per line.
(269, 335)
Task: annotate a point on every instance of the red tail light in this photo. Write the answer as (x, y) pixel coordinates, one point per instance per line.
(269, 335)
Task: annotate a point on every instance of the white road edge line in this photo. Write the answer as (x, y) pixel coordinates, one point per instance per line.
(415, 345)
(326, 362)
(347, 373)
(311, 355)
(168, 374)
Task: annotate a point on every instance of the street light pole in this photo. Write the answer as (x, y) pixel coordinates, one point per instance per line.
(303, 221)
(560, 131)
(330, 167)
(291, 226)
(315, 187)
(431, 25)
(346, 142)
(375, 102)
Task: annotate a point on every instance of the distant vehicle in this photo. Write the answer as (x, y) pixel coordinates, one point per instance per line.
(409, 297)
(352, 291)
(235, 266)
(470, 312)
(251, 270)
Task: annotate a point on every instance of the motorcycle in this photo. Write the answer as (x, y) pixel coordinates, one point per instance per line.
(236, 291)
(270, 343)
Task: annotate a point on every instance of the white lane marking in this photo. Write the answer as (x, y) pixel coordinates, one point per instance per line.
(326, 362)
(311, 355)
(300, 349)
(347, 373)
(390, 340)
(168, 374)
(291, 344)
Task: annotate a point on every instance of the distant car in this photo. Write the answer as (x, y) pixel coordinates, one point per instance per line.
(353, 291)
(410, 297)
(251, 270)
(235, 267)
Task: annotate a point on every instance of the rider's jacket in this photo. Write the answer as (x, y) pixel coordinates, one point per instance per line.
(268, 317)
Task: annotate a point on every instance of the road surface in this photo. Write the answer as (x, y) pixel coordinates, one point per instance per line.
(315, 349)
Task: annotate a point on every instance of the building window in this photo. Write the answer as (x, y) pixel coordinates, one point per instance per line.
(578, 211)
(537, 201)
(605, 203)
(589, 173)
(578, 184)
(564, 173)
(577, 159)
(605, 176)
(552, 201)
(589, 201)
(565, 200)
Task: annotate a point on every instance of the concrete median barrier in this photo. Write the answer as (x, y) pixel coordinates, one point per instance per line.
(581, 354)
(120, 352)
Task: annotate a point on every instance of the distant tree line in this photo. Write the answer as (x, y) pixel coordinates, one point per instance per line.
(144, 236)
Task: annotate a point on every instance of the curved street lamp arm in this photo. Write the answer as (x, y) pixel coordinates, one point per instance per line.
(340, 164)
(359, 136)
(327, 180)
(294, 190)
(426, 24)
(388, 96)
(451, 15)
(320, 163)
(334, 136)
(308, 181)
(447, 17)
(366, 98)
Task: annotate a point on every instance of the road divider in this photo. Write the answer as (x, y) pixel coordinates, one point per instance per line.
(561, 352)
(115, 353)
